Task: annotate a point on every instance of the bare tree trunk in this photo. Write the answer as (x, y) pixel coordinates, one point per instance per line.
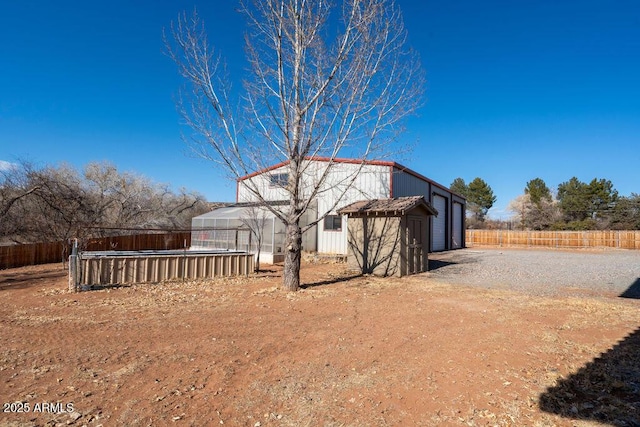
(320, 86)
(291, 280)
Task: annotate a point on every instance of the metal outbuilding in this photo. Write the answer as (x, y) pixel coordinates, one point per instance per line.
(225, 228)
(375, 180)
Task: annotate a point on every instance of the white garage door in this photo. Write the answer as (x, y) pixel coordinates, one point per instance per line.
(457, 226)
(439, 231)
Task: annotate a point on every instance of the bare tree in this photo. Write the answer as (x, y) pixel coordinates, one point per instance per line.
(15, 190)
(56, 203)
(128, 200)
(535, 216)
(323, 83)
(255, 219)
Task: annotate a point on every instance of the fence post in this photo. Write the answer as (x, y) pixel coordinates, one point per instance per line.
(184, 264)
(74, 274)
(246, 258)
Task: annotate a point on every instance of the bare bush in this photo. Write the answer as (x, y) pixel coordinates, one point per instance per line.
(56, 203)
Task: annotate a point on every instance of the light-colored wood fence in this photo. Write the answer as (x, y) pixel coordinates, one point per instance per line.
(44, 253)
(620, 239)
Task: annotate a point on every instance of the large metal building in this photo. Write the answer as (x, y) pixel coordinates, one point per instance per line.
(374, 180)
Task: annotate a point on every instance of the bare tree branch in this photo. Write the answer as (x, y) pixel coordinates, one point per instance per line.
(319, 86)
(58, 203)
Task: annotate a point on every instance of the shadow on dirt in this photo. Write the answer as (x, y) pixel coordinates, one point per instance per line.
(453, 262)
(27, 280)
(435, 264)
(104, 287)
(268, 273)
(632, 291)
(329, 281)
(606, 390)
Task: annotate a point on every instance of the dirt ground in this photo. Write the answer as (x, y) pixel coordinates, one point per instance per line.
(344, 351)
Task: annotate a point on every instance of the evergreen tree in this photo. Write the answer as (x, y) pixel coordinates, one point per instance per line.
(459, 186)
(602, 198)
(480, 198)
(573, 200)
(586, 206)
(626, 213)
(538, 191)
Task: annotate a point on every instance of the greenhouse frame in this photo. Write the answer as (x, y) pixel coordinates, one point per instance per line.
(230, 228)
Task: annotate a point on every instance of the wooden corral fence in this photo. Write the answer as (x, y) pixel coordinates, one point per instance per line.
(555, 239)
(43, 253)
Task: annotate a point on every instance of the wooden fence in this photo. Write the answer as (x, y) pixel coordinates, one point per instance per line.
(555, 239)
(44, 253)
(139, 242)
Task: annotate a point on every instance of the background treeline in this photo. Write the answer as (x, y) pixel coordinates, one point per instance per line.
(576, 205)
(56, 203)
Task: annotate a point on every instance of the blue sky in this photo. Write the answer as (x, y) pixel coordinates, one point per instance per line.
(515, 90)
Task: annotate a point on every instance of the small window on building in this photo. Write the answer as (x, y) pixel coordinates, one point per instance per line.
(279, 179)
(333, 223)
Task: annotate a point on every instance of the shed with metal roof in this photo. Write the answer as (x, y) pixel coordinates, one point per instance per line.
(388, 237)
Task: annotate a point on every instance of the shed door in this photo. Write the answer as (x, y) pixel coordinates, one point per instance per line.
(457, 226)
(439, 231)
(414, 245)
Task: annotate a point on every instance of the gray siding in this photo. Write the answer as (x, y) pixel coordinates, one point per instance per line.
(457, 227)
(447, 232)
(405, 184)
(439, 224)
(371, 183)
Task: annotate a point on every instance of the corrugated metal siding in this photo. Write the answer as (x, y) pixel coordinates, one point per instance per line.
(443, 227)
(157, 268)
(332, 242)
(458, 226)
(373, 182)
(310, 237)
(439, 224)
(263, 183)
(405, 184)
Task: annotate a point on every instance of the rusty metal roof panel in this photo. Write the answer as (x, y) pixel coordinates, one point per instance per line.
(387, 207)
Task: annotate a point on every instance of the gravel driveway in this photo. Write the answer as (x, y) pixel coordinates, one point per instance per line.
(542, 272)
